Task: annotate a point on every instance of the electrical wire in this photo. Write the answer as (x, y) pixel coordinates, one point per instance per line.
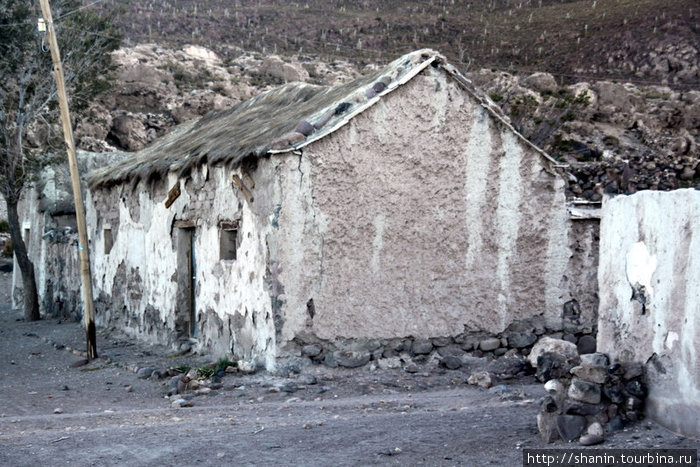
(58, 18)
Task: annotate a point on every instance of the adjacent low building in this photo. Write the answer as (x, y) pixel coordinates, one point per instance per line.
(650, 298)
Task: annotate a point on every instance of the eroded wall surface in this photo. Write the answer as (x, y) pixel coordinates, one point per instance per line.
(649, 279)
(52, 247)
(139, 282)
(425, 218)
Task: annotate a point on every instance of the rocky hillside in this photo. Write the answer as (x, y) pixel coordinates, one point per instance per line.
(646, 41)
(157, 88)
(614, 137)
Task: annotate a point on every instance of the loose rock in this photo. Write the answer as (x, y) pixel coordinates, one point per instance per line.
(586, 345)
(421, 347)
(312, 350)
(489, 344)
(350, 359)
(570, 427)
(389, 363)
(480, 378)
(246, 368)
(451, 363)
(547, 425)
(181, 403)
(519, 340)
(146, 372)
(593, 374)
(561, 347)
(583, 391)
(595, 359)
(590, 440)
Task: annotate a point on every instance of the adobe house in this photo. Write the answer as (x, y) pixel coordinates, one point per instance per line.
(400, 205)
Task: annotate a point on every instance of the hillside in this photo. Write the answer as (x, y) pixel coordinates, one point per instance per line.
(634, 40)
(613, 137)
(607, 87)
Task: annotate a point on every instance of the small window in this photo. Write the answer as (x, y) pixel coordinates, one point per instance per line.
(228, 240)
(108, 240)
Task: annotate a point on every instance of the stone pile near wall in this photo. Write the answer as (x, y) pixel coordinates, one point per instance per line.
(588, 396)
(447, 352)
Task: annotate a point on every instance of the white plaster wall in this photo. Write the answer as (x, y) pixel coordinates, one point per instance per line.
(651, 239)
(426, 218)
(226, 291)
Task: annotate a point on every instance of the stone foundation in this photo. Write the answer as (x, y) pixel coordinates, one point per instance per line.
(447, 351)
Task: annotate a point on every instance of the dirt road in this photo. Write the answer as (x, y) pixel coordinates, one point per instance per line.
(102, 414)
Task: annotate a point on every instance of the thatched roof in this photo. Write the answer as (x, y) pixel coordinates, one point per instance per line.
(281, 120)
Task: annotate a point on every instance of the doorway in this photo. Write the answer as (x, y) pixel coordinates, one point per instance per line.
(186, 319)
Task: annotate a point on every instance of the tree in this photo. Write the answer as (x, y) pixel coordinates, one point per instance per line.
(30, 137)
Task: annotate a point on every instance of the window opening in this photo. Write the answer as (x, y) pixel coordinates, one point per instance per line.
(228, 240)
(108, 240)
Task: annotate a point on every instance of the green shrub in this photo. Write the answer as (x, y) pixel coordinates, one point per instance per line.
(206, 371)
(223, 363)
(182, 369)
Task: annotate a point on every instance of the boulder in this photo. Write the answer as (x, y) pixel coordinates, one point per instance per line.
(583, 391)
(489, 344)
(350, 359)
(570, 427)
(287, 72)
(591, 373)
(541, 82)
(519, 340)
(129, 132)
(451, 363)
(421, 347)
(547, 425)
(312, 350)
(561, 347)
(480, 378)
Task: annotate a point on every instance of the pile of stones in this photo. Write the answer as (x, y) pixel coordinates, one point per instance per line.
(651, 171)
(588, 396)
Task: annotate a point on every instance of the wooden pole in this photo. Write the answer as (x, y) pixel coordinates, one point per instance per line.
(83, 251)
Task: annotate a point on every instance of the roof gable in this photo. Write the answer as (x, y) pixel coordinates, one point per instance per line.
(281, 120)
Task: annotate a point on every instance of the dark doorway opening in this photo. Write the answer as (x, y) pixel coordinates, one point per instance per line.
(186, 320)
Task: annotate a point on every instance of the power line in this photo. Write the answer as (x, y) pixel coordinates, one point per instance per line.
(28, 23)
(78, 9)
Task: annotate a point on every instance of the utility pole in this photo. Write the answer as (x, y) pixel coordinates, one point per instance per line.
(90, 333)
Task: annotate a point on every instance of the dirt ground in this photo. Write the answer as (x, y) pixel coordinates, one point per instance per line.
(54, 413)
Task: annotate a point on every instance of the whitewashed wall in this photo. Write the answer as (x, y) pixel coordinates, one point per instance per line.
(652, 240)
(136, 283)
